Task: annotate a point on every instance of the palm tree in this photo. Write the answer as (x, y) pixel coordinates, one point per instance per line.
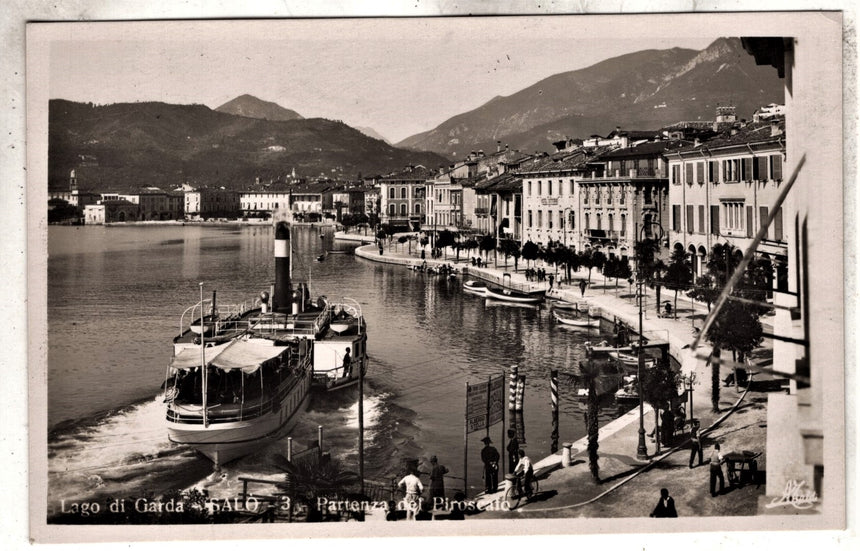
(308, 480)
(589, 372)
(659, 388)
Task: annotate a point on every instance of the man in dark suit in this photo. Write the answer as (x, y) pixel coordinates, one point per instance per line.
(490, 456)
(665, 507)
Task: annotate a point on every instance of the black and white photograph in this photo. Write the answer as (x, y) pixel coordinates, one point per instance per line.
(404, 276)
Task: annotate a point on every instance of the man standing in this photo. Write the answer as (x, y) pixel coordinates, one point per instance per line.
(582, 285)
(695, 446)
(347, 363)
(513, 449)
(490, 456)
(413, 487)
(437, 479)
(717, 461)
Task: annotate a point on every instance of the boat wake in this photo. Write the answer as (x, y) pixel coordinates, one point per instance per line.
(124, 452)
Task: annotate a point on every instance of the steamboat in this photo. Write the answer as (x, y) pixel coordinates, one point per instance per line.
(241, 374)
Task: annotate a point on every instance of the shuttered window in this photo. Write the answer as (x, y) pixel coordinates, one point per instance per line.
(689, 218)
(777, 225)
(762, 217)
(776, 167)
(749, 221)
(715, 219)
(676, 174)
(747, 169)
(676, 218)
(713, 171)
(688, 173)
(760, 169)
(701, 218)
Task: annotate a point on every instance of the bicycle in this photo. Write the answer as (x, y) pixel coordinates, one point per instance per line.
(514, 494)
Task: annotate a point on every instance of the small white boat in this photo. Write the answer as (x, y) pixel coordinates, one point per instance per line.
(512, 295)
(475, 287)
(564, 305)
(577, 322)
(630, 360)
(603, 348)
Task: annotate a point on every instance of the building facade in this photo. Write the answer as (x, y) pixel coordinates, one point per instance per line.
(625, 198)
(721, 191)
(402, 198)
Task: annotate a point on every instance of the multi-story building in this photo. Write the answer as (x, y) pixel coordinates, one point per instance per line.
(721, 191)
(551, 196)
(402, 198)
(444, 203)
(311, 202)
(111, 210)
(211, 203)
(156, 204)
(625, 197)
(263, 199)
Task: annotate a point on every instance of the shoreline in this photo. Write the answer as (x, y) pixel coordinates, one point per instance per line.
(617, 439)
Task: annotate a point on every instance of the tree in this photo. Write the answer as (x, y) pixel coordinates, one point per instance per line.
(659, 389)
(509, 247)
(737, 328)
(704, 290)
(530, 251)
(445, 239)
(678, 274)
(487, 244)
(589, 373)
(572, 261)
(621, 271)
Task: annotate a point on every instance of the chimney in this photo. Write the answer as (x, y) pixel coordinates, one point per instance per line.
(775, 130)
(696, 142)
(498, 146)
(617, 129)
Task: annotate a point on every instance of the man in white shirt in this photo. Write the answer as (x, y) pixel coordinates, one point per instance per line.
(412, 485)
(524, 472)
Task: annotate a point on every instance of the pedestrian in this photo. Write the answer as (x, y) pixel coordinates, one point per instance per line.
(513, 450)
(668, 420)
(551, 277)
(437, 479)
(413, 488)
(490, 456)
(717, 461)
(665, 507)
(347, 363)
(525, 473)
(582, 285)
(695, 446)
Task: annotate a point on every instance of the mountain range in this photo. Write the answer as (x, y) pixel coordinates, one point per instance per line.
(125, 146)
(644, 90)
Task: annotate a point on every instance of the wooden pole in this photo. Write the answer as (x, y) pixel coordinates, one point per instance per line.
(361, 425)
(466, 448)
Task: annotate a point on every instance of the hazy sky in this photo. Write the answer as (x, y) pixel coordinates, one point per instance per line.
(398, 76)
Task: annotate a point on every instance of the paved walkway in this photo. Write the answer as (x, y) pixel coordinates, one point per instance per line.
(565, 490)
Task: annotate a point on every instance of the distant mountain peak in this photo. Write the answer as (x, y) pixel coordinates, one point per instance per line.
(253, 107)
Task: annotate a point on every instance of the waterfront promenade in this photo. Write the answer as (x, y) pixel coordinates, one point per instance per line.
(630, 487)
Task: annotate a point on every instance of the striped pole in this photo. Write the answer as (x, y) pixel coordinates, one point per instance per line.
(521, 390)
(553, 386)
(512, 387)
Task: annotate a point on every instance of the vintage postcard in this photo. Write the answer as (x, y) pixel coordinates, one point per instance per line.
(375, 277)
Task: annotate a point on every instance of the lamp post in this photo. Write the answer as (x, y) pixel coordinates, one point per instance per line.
(689, 381)
(642, 449)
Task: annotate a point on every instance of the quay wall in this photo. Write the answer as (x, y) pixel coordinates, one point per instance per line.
(607, 305)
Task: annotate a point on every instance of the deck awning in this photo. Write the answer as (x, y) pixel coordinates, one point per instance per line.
(245, 355)
(189, 358)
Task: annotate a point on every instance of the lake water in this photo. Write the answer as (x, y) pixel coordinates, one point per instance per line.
(115, 296)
